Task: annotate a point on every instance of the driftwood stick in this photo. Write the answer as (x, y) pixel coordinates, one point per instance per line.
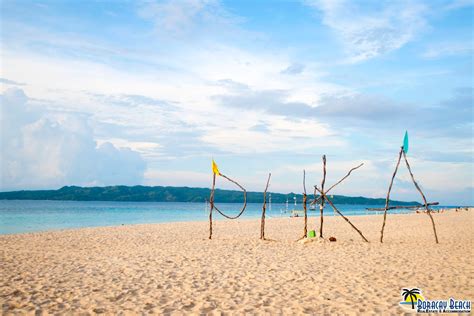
(321, 205)
(344, 178)
(338, 212)
(211, 201)
(305, 231)
(264, 208)
(397, 207)
(428, 211)
(387, 200)
(245, 200)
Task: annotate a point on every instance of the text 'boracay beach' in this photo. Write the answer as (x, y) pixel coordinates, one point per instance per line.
(195, 157)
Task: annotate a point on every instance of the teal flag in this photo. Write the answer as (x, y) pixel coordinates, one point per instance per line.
(405, 143)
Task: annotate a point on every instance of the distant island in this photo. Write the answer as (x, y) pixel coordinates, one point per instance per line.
(170, 194)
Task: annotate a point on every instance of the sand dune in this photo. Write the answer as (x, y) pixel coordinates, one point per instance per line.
(174, 269)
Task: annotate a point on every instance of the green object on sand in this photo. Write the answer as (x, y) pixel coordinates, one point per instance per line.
(311, 234)
(405, 143)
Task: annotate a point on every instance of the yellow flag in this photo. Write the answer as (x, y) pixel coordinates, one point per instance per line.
(214, 168)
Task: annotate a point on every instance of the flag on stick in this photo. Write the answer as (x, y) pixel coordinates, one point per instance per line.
(215, 169)
(405, 143)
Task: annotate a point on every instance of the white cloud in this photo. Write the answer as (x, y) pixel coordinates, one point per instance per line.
(145, 149)
(440, 175)
(293, 69)
(448, 49)
(11, 82)
(458, 4)
(280, 135)
(42, 149)
(183, 17)
(375, 30)
(176, 178)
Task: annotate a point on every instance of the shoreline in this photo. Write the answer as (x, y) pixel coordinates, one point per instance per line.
(329, 213)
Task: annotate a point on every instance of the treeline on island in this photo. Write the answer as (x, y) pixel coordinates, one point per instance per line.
(169, 194)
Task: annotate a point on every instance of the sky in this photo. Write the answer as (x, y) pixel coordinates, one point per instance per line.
(106, 92)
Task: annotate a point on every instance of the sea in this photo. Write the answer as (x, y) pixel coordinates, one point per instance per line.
(24, 216)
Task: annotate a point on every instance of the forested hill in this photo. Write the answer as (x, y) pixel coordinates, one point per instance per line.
(168, 194)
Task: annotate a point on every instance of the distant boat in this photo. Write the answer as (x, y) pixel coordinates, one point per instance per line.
(297, 213)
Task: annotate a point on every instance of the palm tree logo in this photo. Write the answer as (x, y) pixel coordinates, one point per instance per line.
(411, 295)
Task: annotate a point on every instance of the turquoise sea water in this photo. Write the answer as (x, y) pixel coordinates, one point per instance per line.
(32, 216)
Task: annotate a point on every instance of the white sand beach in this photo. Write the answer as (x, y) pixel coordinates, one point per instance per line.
(174, 269)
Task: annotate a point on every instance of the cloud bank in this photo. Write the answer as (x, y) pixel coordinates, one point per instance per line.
(41, 149)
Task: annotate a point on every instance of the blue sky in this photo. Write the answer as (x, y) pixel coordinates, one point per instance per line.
(147, 92)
